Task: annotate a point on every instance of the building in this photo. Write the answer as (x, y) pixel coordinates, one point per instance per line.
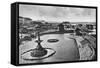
(24, 20)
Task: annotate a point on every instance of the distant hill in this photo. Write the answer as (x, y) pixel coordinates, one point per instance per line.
(25, 18)
(83, 22)
(55, 22)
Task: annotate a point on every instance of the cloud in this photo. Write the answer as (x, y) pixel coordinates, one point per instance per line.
(53, 13)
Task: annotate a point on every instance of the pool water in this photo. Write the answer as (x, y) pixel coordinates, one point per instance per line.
(66, 48)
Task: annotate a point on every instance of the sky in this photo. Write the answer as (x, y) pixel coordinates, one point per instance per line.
(58, 14)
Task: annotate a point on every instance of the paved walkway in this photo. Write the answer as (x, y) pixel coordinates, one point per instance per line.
(86, 47)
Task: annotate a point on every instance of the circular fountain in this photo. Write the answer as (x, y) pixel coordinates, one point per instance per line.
(39, 52)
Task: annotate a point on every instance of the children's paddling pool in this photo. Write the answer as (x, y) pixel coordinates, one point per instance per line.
(64, 47)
